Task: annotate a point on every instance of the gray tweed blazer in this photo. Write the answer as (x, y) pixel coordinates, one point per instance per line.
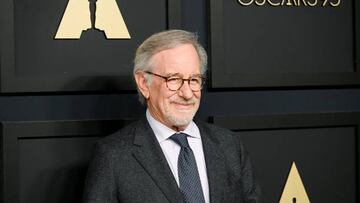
(129, 166)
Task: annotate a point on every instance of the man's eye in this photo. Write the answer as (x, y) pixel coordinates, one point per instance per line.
(173, 80)
(195, 80)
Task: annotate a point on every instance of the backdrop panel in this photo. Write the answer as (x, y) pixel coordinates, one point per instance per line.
(283, 43)
(323, 146)
(47, 161)
(32, 60)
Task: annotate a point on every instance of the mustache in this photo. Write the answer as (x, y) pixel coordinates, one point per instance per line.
(191, 101)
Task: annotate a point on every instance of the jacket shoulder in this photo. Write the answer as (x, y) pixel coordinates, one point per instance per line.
(228, 141)
(120, 138)
(214, 130)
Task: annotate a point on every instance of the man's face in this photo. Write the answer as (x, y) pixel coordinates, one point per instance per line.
(175, 109)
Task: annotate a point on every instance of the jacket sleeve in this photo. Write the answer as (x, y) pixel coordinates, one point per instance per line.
(249, 187)
(100, 183)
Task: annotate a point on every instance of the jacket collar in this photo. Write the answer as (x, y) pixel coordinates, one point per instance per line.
(151, 158)
(215, 164)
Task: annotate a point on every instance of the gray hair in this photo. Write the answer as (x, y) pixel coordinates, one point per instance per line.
(162, 41)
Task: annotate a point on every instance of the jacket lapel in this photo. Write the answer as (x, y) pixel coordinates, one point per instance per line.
(152, 159)
(215, 165)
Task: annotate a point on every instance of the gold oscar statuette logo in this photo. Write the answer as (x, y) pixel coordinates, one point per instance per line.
(83, 15)
(294, 190)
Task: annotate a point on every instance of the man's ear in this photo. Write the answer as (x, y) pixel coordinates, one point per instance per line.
(142, 84)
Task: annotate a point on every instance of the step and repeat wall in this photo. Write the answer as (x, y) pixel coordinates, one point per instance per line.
(253, 45)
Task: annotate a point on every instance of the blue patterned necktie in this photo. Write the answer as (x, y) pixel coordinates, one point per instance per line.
(189, 179)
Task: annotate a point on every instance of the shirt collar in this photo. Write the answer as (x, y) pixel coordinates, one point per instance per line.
(162, 132)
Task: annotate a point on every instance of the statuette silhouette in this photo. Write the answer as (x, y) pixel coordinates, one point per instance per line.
(83, 15)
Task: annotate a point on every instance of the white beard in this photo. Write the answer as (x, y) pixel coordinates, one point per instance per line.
(184, 120)
(180, 121)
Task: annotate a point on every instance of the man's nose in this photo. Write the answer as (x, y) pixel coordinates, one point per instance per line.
(185, 91)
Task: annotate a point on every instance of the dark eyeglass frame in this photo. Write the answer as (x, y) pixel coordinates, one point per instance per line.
(166, 78)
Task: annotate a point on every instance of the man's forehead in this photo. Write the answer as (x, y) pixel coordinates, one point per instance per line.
(169, 71)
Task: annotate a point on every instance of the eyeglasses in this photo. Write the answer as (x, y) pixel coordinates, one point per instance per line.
(174, 83)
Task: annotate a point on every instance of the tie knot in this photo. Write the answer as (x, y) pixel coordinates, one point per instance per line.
(180, 139)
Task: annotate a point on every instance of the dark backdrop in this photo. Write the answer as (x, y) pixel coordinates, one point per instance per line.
(238, 102)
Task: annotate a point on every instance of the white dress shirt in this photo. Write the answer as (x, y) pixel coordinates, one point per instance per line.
(171, 150)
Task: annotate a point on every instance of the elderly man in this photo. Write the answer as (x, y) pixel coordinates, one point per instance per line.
(166, 156)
